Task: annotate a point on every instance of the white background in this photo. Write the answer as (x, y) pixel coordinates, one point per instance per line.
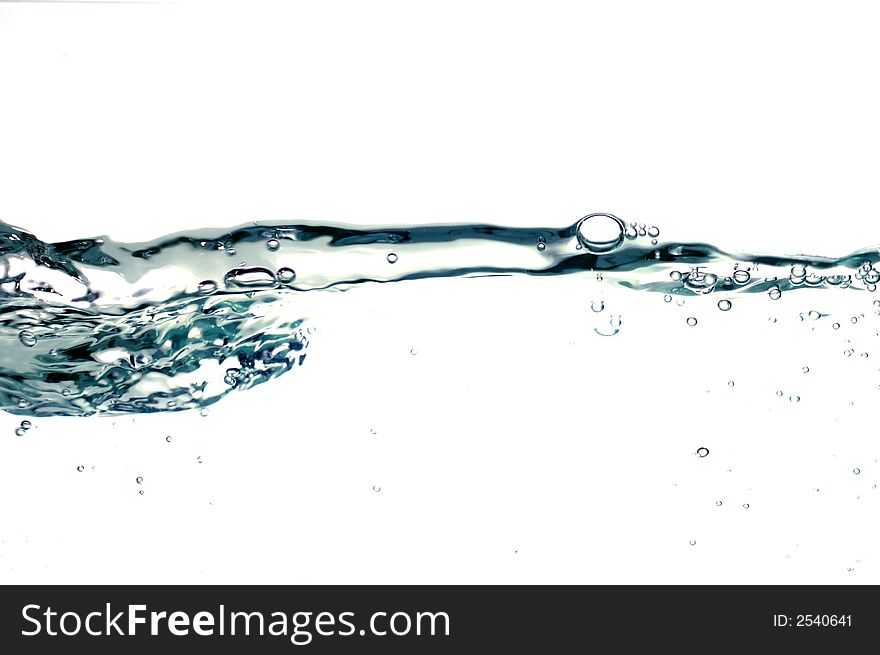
(751, 125)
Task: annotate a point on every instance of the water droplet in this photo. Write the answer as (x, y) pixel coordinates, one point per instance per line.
(806, 369)
(724, 305)
(631, 233)
(19, 432)
(779, 393)
(392, 258)
(675, 275)
(653, 231)
(168, 439)
(26, 424)
(273, 244)
(285, 275)
(813, 314)
(27, 338)
(775, 293)
(692, 321)
(741, 276)
(864, 355)
(836, 326)
(693, 542)
(141, 492)
(377, 488)
(745, 505)
(597, 305)
(667, 298)
(413, 351)
(702, 452)
(541, 246)
(139, 479)
(207, 287)
(718, 503)
(600, 233)
(731, 383)
(22, 403)
(854, 320)
(80, 468)
(856, 471)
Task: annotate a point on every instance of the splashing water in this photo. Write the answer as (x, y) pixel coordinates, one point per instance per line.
(96, 326)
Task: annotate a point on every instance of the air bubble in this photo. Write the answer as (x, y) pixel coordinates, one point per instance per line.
(139, 479)
(813, 314)
(675, 275)
(27, 338)
(392, 258)
(731, 383)
(667, 298)
(692, 321)
(541, 246)
(806, 369)
(856, 471)
(597, 306)
(26, 424)
(207, 287)
(794, 399)
(724, 305)
(718, 503)
(741, 276)
(864, 355)
(745, 505)
(600, 233)
(836, 326)
(19, 432)
(702, 452)
(653, 232)
(775, 293)
(80, 468)
(168, 439)
(273, 244)
(377, 488)
(779, 393)
(413, 351)
(693, 542)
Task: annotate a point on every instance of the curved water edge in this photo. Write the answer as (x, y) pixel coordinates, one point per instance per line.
(95, 326)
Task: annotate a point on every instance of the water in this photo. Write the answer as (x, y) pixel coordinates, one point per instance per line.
(94, 326)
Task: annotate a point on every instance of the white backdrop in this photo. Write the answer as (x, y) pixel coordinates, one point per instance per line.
(506, 449)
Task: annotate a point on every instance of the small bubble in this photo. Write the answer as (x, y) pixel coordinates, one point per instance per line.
(19, 432)
(273, 244)
(599, 277)
(856, 471)
(675, 275)
(864, 355)
(836, 326)
(724, 305)
(392, 258)
(80, 468)
(138, 479)
(806, 369)
(616, 322)
(372, 430)
(775, 293)
(285, 275)
(794, 398)
(199, 459)
(203, 412)
(779, 393)
(741, 276)
(702, 452)
(813, 314)
(168, 439)
(772, 319)
(413, 351)
(854, 320)
(848, 352)
(692, 321)
(693, 542)
(22, 403)
(65, 392)
(171, 404)
(653, 232)
(718, 503)
(141, 492)
(745, 505)
(207, 287)
(26, 424)
(680, 302)
(667, 298)
(27, 338)
(731, 383)
(597, 305)
(653, 242)
(377, 488)
(541, 246)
